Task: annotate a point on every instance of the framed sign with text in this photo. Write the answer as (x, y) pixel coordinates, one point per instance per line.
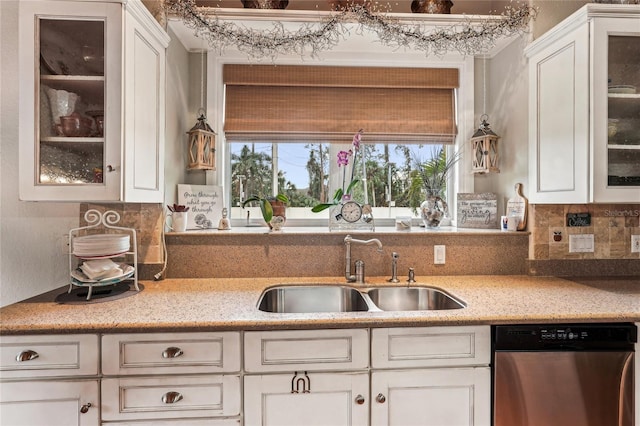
(205, 205)
(478, 210)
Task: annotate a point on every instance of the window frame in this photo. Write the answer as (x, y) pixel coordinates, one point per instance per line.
(461, 179)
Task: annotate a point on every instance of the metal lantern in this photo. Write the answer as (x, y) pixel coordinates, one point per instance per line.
(202, 140)
(485, 149)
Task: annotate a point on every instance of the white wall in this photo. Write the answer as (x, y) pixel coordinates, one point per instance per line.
(31, 257)
(183, 98)
(507, 94)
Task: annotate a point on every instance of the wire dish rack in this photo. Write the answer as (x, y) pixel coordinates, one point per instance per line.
(100, 227)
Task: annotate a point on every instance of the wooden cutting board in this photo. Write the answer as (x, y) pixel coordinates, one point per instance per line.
(518, 206)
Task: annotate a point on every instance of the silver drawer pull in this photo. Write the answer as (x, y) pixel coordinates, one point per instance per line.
(171, 397)
(27, 355)
(85, 408)
(359, 399)
(381, 398)
(172, 352)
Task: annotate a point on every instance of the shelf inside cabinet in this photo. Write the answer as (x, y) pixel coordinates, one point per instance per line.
(89, 88)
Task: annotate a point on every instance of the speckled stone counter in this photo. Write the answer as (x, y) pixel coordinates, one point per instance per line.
(230, 304)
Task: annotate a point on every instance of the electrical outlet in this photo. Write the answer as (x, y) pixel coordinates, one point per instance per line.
(439, 253)
(635, 244)
(581, 243)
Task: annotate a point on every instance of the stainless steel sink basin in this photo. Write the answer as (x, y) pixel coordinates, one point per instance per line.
(412, 299)
(312, 298)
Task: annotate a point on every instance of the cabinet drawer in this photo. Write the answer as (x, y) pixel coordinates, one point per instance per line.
(306, 350)
(48, 356)
(167, 353)
(430, 346)
(170, 397)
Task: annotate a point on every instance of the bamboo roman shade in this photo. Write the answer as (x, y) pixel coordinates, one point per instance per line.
(299, 103)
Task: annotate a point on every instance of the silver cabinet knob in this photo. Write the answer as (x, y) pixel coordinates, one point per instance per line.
(172, 352)
(381, 398)
(359, 400)
(27, 355)
(85, 408)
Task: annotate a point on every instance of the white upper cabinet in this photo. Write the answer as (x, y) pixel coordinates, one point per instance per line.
(584, 106)
(92, 115)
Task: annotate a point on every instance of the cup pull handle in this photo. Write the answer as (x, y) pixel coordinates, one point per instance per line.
(171, 397)
(27, 355)
(172, 352)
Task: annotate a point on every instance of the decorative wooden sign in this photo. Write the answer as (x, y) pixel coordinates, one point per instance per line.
(478, 210)
(205, 205)
(578, 219)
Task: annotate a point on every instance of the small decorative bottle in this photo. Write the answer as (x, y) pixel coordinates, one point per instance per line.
(223, 224)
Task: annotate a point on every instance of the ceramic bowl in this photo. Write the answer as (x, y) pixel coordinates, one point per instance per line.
(75, 125)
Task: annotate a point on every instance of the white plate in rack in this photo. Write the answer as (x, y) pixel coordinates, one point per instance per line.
(79, 278)
(100, 245)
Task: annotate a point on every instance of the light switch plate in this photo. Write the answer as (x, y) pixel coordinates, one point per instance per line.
(635, 244)
(581, 243)
(439, 254)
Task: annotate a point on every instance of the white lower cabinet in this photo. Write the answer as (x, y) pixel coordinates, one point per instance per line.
(171, 378)
(170, 397)
(431, 397)
(306, 377)
(428, 376)
(49, 380)
(307, 398)
(445, 378)
(51, 403)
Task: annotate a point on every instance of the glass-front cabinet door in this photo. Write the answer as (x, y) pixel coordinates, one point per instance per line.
(69, 96)
(616, 109)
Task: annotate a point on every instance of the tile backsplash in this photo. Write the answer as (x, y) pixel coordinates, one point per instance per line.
(612, 226)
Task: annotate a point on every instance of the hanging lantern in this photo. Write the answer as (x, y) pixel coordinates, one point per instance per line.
(202, 140)
(485, 149)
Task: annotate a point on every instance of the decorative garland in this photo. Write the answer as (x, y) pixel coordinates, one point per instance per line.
(467, 38)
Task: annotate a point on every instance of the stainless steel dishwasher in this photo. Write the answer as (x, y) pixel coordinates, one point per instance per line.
(564, 375)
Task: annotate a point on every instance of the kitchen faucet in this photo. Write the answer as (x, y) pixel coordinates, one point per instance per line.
(359, 277)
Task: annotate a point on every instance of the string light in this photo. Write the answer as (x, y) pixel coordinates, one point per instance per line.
(310, 39)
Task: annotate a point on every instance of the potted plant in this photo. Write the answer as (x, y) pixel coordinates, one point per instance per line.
(431, 177)
(342, 193)
(270, 207)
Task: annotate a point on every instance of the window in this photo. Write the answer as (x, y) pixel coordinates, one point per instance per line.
(286, 124)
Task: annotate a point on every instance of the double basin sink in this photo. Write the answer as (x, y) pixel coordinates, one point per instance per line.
(343, 298)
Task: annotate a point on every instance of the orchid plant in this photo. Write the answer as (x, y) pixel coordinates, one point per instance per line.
(344, 158)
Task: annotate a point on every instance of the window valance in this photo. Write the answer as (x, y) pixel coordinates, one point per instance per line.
(329, 103)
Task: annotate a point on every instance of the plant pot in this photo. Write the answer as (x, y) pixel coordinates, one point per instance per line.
(265, 4)
(433, 210)
(346, 4)
(431, 6)
(279, 210)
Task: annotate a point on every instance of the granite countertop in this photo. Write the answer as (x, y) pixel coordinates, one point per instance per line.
(230, 304)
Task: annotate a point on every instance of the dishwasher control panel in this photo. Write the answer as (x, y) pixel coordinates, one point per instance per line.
(598, 336)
